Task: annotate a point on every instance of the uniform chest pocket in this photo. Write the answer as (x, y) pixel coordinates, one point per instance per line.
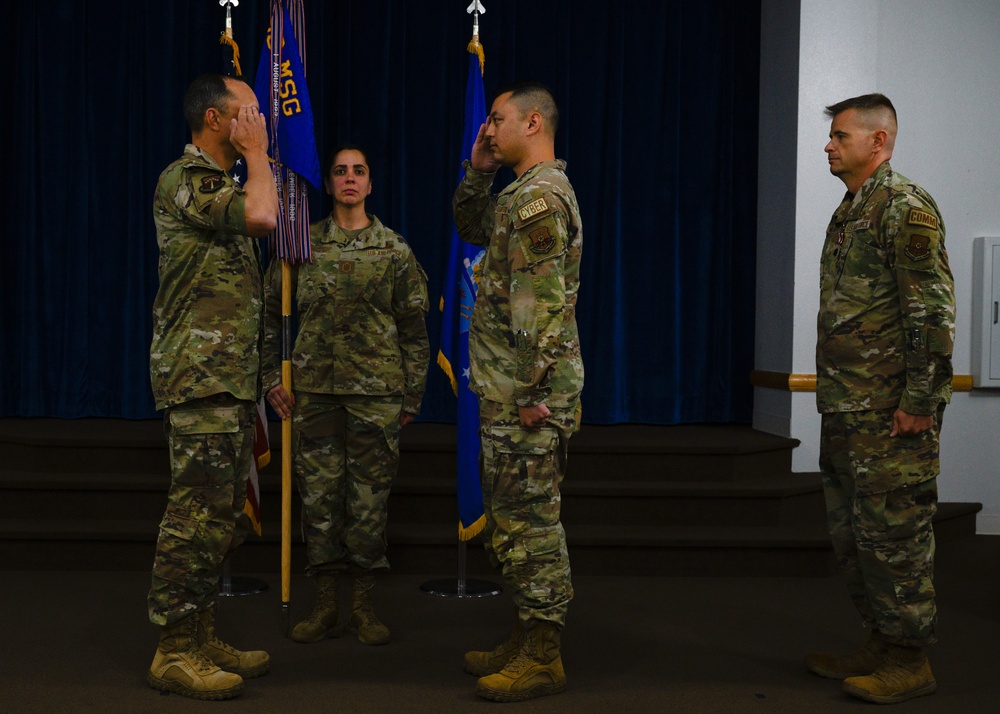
(861, 266)
(314, 286)
(364, 279)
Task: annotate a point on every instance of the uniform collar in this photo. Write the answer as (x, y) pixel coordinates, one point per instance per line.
(374, 234)
(851, 206)
(194, 150)
(871, 184)
(557, 164)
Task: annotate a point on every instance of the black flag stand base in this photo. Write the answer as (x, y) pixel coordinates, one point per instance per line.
(230, 586)
(460, 587)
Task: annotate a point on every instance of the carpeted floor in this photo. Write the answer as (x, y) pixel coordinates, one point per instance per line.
(80, 642)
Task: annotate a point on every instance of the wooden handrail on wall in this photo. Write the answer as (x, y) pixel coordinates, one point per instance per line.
(807, 382)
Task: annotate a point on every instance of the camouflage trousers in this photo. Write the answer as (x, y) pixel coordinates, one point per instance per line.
(881, 496)
(346, 456)
(211, 448)
(521, 472)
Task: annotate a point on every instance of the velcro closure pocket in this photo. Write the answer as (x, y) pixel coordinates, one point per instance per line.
(515, 440)
(179, 526)
(216, 420)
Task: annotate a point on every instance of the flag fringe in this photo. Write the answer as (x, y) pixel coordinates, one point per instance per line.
(477, 49)
(225, 39)
(470, 532)
(254, 523)
(445, 366)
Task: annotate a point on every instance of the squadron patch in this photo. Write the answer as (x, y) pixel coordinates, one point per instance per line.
(919, 247)
(534, 208)
(347, 267)
(211, 184)
(541, 240)
(918, 217)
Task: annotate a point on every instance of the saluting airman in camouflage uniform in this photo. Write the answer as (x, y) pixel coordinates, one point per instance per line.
(204, 367)
(527, 370)
(883, 376)
(359, 367)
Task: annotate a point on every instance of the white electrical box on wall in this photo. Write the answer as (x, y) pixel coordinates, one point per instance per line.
(986, 312)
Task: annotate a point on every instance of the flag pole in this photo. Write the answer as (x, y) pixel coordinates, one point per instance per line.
(281, 87)
(460, 587)
(229, 585)
(286, 447)
(227, 35)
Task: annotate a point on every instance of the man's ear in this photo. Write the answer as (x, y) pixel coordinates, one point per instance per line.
(213, 119)
(534, 123)
(879, 139)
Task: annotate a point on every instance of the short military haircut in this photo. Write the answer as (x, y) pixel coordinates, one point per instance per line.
(867, 104)
(206, 92)
(346, 147)
(534, 95)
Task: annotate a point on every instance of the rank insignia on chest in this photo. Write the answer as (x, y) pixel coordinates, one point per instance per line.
(211, 184)
(918, 217)
(347, 266)
(919, 247)
(541, 240)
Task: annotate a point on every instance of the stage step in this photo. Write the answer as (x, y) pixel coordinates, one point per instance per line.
(688, 500)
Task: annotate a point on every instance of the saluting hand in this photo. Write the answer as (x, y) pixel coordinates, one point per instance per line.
(482, 155)
(248, 131)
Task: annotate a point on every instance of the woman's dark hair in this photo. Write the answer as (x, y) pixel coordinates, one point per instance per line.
(345, 147)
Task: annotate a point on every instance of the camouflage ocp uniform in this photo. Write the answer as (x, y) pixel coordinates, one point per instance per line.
(524, 350)
(360, 358)
(204, 368)
(886, 329)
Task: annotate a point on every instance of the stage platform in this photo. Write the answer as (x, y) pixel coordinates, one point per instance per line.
(690, 500)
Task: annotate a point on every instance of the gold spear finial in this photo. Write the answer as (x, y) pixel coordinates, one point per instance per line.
(476, 9)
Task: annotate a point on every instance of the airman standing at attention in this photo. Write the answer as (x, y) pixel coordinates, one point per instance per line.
(883, 377)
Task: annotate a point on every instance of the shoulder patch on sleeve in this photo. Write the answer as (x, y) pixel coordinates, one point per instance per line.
(211, 183)
(919, 247)
(536, 207)
(533, 210)
(919, 217)
(541, 240)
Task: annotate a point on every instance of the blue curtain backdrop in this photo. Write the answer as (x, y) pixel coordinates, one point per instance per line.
(659, 128)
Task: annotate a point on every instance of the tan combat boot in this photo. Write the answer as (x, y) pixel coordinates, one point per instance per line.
(248, 664)
(865, 661)
(363, 620)
(903, 675)
(483, 663)
(180, 666)
(535, 671)
(325, 617)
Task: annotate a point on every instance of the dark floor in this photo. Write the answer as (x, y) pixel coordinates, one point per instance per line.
(80, 642)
